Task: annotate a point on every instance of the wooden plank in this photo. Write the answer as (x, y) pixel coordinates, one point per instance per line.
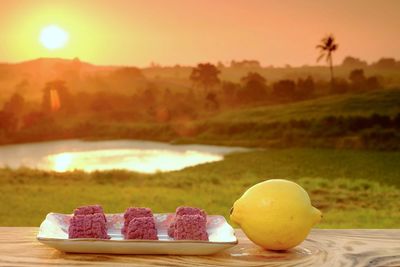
(19, 247)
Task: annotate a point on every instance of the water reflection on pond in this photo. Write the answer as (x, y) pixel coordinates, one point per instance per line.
(140, 156)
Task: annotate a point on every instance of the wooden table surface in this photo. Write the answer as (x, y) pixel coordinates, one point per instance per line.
(19, 247)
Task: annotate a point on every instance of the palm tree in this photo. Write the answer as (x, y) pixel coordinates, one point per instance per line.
(327, 47)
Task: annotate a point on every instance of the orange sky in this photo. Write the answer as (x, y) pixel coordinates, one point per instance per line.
(133, 32)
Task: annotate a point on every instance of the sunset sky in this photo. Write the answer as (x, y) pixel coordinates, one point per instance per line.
(133, 32)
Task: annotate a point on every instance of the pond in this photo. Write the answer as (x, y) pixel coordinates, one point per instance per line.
(139, 156)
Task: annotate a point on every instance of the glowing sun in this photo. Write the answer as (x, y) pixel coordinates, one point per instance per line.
(53, 37)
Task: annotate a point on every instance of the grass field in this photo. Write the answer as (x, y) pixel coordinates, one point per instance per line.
(354, 189)
(275, 125)
(384, 102)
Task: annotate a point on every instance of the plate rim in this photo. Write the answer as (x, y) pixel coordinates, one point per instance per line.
(138, 241)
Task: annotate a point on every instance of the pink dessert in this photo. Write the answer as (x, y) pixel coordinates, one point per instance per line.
(141, 228)
(88, 226)
(190, 227)
(190, 211)
(91, 209)
(85, 210)
(132, 213)
(180, 211)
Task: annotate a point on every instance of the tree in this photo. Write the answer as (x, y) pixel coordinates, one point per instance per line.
(253, 77)
(385, 63)
(148, 98)
(254, 87)
(56, 96)
(212, 101)
(326, 48)
(352, 62)
(205, 75)
(245, 64)
(360, 82)
(100, 102)
(357, 76)
(284, 89)
(15, 105)
(128, 73)
(305, 87)
(357, 79)
(126, 78)
(340, 86)
(373, 83)
(229, 92)
(15, 108)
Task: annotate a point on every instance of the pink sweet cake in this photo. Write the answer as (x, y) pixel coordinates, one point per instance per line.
(180, 211)
(141, 228)
(190, 211)
(85, 210)
(88, 226)
(190, 227)
(91, 209)
(132, 213)
(88, 222)
(184, 211)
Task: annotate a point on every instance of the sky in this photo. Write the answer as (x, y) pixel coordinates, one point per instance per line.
(186, 32)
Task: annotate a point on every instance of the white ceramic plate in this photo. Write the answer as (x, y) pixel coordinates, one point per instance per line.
(53, 232)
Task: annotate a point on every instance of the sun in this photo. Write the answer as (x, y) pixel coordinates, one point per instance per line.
(53, 37)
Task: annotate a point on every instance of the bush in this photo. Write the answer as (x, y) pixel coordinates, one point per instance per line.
(284, 89)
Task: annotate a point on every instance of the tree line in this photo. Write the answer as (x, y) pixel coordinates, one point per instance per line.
(208, 95)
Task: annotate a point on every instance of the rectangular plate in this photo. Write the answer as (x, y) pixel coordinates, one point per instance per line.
(53, 232)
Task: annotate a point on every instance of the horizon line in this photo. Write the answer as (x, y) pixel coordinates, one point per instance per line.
(287, 65)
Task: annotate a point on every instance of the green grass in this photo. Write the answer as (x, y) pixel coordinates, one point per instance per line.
(352, 188)
(275, 125)
(384, 102)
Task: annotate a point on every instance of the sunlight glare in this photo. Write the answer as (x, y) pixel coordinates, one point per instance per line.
(53, 37)
(144, 161)
(62, 162)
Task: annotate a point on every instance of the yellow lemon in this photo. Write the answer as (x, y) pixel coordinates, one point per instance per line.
(275, 214)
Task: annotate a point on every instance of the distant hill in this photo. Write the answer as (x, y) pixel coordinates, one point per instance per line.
(384, 102)
(29, 77)
(369, 120)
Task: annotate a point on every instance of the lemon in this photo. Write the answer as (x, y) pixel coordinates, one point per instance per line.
(275, 214)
